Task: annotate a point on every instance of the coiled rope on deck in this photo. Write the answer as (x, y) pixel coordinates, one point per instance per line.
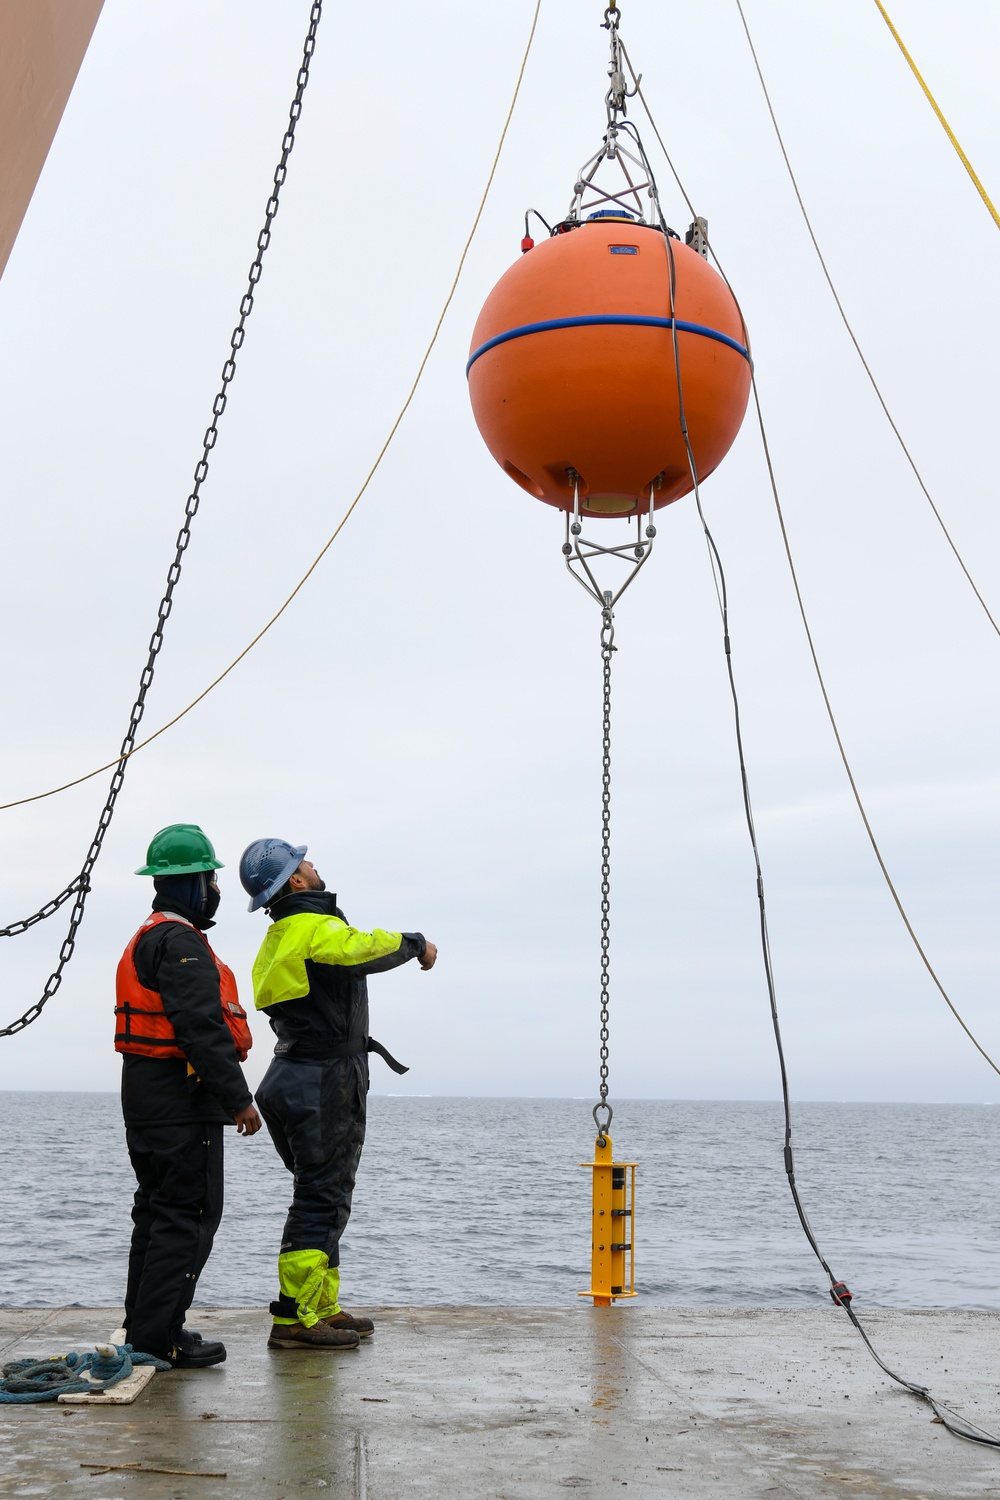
(23, 1381)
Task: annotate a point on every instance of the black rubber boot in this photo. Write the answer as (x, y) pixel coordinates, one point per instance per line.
(188, 1340)
(197, 1355)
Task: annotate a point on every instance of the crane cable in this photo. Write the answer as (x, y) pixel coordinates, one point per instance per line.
(966, 163)
(772, 479)
(850, 331)
(80, 886)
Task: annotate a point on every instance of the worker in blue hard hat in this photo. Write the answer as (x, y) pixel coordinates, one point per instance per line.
(310, 980)
(182, 1034)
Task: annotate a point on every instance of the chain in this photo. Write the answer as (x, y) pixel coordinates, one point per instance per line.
(80, 886)
(608, 649)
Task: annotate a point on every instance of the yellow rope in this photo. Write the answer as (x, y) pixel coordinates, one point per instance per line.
(966, 163)
(53, 791)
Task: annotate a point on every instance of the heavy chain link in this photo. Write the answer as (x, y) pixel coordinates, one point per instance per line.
(80, 886)
(608, 649)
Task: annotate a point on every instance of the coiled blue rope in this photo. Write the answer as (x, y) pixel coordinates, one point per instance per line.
(25, 1380)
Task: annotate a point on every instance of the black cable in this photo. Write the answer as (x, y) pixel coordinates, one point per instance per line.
(541, 220)
(838, 1289)
(955, 1423)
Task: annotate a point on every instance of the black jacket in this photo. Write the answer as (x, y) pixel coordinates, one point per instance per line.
(173, 960)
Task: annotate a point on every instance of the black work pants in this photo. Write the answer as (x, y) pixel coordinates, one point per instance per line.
(177, 1209)
(315, 1115)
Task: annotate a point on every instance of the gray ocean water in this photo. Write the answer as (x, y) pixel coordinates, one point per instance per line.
(482, 1201)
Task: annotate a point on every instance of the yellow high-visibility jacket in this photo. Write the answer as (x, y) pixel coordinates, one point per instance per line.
(310, 976)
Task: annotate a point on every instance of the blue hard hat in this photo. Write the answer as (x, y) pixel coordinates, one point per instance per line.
(265, 865)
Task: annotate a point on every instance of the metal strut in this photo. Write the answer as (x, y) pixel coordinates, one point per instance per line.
(579, 550)
(627, 198)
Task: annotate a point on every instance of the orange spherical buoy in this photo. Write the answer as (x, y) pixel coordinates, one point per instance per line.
(572, 375)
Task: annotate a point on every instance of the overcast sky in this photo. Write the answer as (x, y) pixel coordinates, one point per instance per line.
(426, 716)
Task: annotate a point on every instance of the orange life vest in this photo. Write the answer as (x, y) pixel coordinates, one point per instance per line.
(142, 1025)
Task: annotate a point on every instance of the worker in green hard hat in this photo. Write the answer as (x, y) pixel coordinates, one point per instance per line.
(182, 1034)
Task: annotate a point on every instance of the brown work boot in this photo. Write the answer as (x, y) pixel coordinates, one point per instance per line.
(319, 1336)
(363, 1327)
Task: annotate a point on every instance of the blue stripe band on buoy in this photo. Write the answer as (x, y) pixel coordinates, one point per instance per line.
(592, 320)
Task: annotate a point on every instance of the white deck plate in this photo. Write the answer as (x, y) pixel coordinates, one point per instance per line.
(119, 1395)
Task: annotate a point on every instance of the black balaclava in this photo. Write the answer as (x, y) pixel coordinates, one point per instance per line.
(191, 894)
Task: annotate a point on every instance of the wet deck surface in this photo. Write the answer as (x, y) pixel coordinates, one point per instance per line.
(481, 1402)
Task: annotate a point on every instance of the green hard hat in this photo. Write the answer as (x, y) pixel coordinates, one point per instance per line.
(181, 849)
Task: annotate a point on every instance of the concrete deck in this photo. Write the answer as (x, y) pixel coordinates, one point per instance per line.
(528, 1403)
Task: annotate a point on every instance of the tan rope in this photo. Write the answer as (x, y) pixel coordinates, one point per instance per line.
(108, 765)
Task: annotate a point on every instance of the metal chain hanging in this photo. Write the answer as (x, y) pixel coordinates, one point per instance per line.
(580, 553)
(80, 886)
(608, 649)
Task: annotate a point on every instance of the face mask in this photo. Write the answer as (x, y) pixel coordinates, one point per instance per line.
(191, 892)
(210, 902)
